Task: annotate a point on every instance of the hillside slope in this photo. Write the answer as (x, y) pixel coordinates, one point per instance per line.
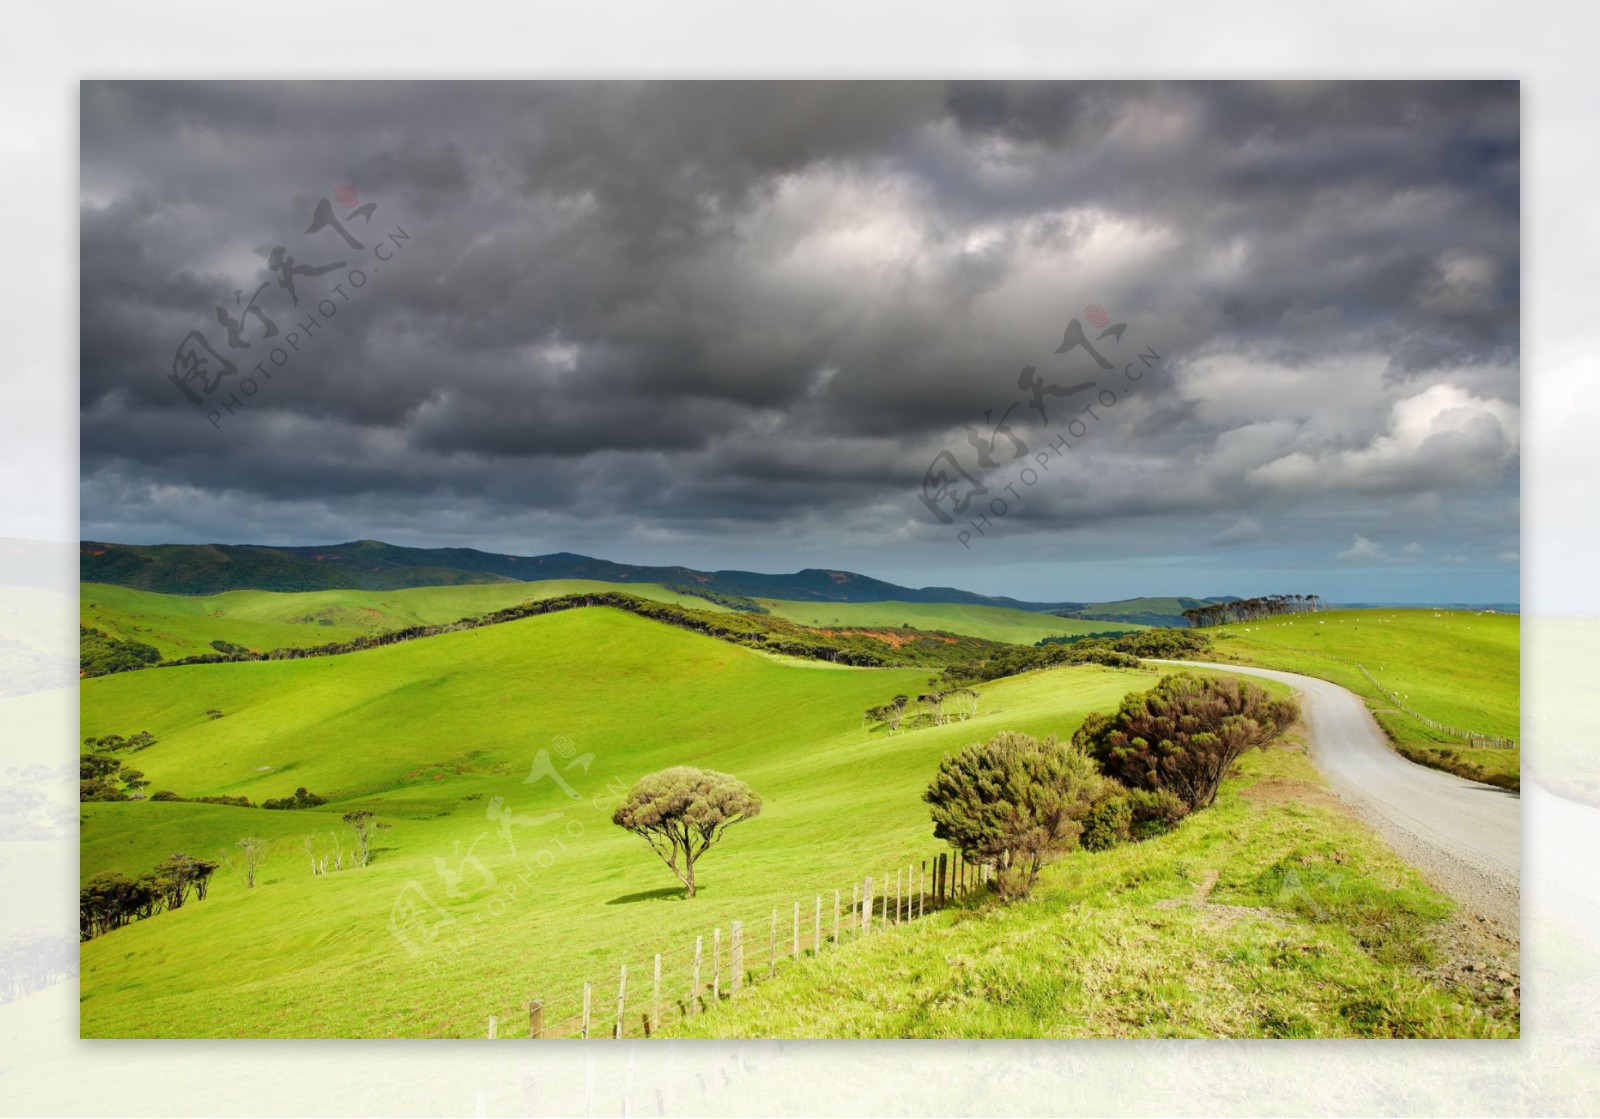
(186, 625)
(439, 738)
(1273, 914)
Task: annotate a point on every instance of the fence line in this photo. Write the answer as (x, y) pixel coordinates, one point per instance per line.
(877, 905)
(1487, 741)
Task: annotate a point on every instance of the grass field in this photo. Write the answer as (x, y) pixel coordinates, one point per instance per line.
(1454, 666)
(1272, 914)
(185, 625)
(994, 623)
(427, 734)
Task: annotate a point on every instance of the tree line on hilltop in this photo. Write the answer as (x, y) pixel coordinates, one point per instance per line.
(1253, 609)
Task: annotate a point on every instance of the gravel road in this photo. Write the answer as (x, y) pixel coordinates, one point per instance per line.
(1465, 836)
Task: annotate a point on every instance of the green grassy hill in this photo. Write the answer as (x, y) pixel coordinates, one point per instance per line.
(1454, 666)
(993, 623)
(185, 625)
(426, 734)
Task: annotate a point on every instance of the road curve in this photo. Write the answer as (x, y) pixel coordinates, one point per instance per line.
(1467, 837)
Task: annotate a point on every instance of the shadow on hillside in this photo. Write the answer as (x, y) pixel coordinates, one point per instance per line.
(648, 895)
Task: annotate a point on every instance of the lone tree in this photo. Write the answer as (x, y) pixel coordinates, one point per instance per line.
(1184, 734)
(1012, 802)
(361, 822)
(682, 811)
(254, 852)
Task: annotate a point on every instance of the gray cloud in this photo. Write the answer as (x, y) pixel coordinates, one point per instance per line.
(731, 323)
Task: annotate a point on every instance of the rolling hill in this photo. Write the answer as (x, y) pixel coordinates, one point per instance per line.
(203, 569)
(430, 735)
(186, 625)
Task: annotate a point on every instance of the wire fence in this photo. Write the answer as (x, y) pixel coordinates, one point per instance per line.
(1486, 741)
(694, 978)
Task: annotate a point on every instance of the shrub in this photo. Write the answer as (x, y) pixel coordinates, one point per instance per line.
(1012, 802)
(1153, 812)
(1183, 735)
(301, 799)
(165, 794)
(1109, 819)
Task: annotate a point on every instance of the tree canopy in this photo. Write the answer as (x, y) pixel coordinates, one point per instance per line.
(1012, 802)
(681, 812)
(1184, 734)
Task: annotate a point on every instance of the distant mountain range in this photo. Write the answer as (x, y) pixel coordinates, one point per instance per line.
(372, 565)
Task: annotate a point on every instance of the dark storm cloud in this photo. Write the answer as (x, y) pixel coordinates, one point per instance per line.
(633, 313)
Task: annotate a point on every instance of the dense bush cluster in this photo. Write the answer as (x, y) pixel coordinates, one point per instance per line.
(301, 799)
(1183, 735)
(1014, 801)
(102, 777)
(1169, 644)
(100, 654)
(1010, 660)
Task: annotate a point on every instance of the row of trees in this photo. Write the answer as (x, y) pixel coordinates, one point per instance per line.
(1253, 609)
(1015, 801)
(111, 899)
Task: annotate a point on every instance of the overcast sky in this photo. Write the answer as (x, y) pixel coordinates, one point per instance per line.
(734, 326)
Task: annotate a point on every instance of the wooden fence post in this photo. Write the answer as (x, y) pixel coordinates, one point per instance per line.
(772, 946)
(622, 994)
(796, 946)
(866, 907)
(899, 892)
(736, 958)
(655, 999)
(816, 930)
(492, 1023)
(694, 983)
(855, 907)
(836, 916)
(535, 1019)
(716, 966)
(586, 1011)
